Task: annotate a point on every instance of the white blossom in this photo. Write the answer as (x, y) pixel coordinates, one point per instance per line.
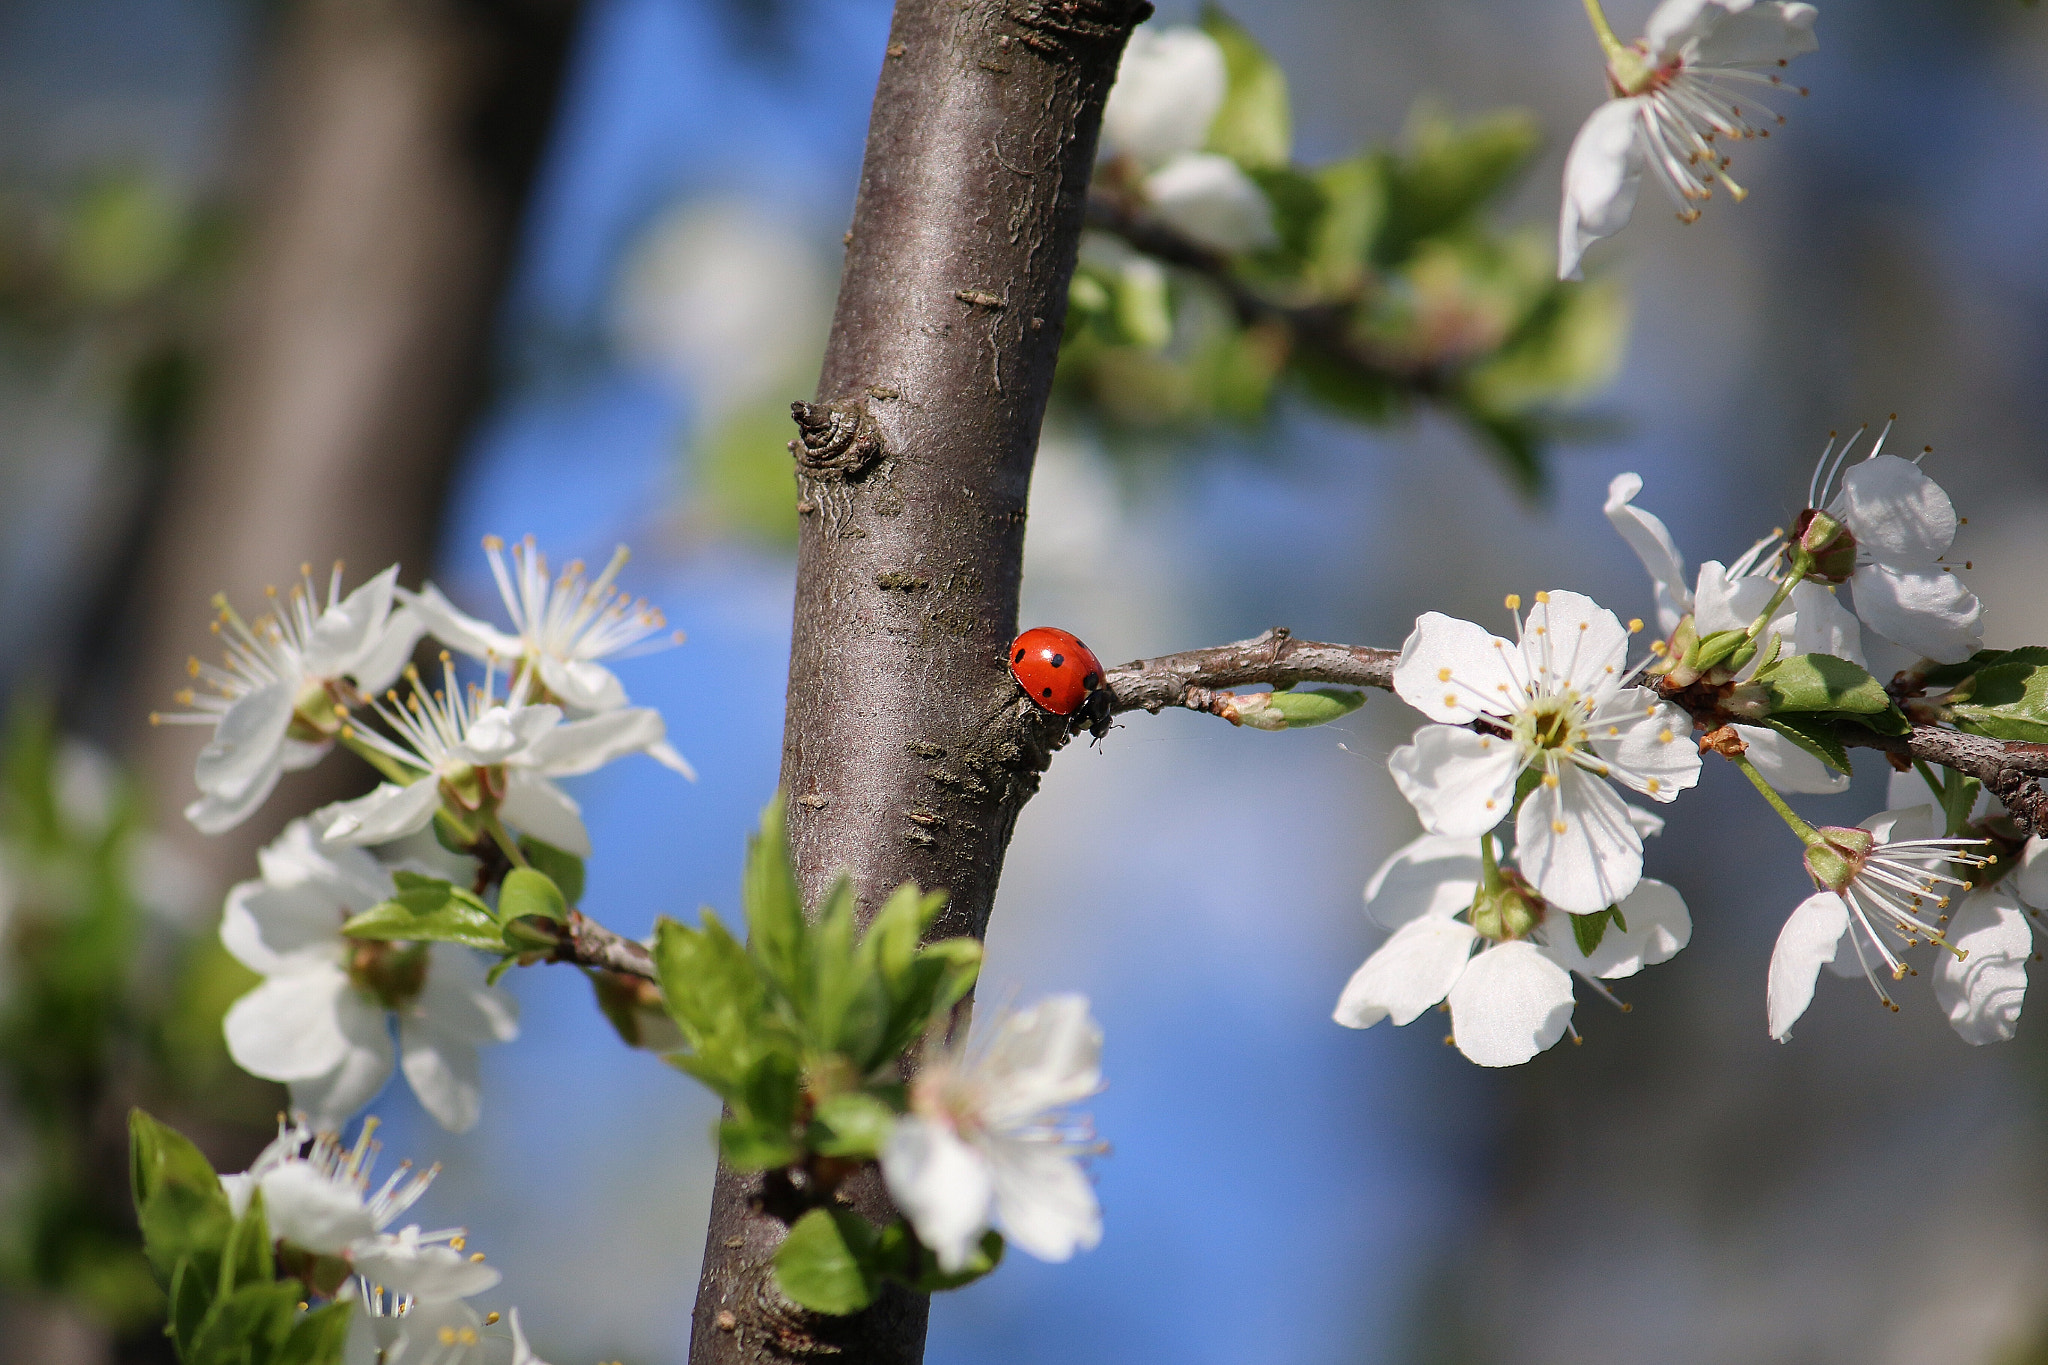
(1680, 93)
(271, 704)
(1892, 886)
(321, 1019)
(1901, 523)
(987, 1141)
(563, 627)
(1168, 91)
(1503, 961)
(474, 749)
(1559, 693)
(1809, 621)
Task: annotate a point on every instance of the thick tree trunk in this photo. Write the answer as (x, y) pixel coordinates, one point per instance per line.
(394, 144)
(908, 750)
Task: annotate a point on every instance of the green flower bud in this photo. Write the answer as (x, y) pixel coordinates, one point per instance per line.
(1836, 855)
(1822, 547)
(1719, 649)
(1507, 911)
(1289, 710)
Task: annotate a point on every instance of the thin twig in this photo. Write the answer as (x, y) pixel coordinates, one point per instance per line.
(589, 944)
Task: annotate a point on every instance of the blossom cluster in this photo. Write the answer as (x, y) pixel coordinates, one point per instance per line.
(1530, 869)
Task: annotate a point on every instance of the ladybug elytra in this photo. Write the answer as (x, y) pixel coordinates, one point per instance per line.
(1058, 672)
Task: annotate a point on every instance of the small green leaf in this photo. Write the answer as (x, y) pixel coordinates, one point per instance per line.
(428, 910)
(851, 1125)
(317, 1338)
(775, 911)
(1588, 930)
(1448, 173)
(2006, 701)
(562, 868)
(910, 1261)
(159, 1155)
(1822, 682)
(191, 1294)
(246, 1256)
(1940, 676)
(1815, 735)
(248, 1325)
(1354, 206)
(1254, 127)
(755, 1146)
(528, 892)
(824, 1262)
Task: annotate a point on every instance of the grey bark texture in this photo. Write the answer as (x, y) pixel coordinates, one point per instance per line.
(908, 750)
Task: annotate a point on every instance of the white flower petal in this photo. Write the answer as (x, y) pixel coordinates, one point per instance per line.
(1900, 516)
(1658, 927)
(1432, 876)
(345, 632)
(1760, 36)
(664, 753)
(438, 1332)
(457, 629)
(272, 929)
(244, 751)
(545, 811)
(1211, 202)
(390, 812)
(583, 684)
(288, 1029)
(1043, 1199)
(1575, 641)
(1041, 1059)
(1928, 611)
(1983, 991)
(1454, 671)
(1511, 1003)
(942, 1186)
(1602, 172)
(388, 651)
(583, 746)
(1459, 782)
(1822, 625)
(2031, 880)
(442, 1069)
(1812, 935)
(1676, 23)
(433, 1272)
(456, 1002)
(308, 1209)
(1169, 87)
(1646, 743)
(1727, 601)
(1409, 973)
(1647, 535)
(1788, 767)
(1575, 843)
(330, 1101)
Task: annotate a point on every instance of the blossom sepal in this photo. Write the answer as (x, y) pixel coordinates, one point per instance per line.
(1836, 855)
(1289, 710)
(1821, 548)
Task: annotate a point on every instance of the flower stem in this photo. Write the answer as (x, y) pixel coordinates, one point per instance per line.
(1489, 865)
(382, 762)
(1603, 30)
(503, 839)
(1770, 794)
(1763, 618)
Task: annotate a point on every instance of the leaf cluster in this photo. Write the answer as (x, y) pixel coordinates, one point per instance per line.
(1387, 285)
(802, 1030)
(1812, 697)
(1998, 693)
(228, 1305)
(524, 926)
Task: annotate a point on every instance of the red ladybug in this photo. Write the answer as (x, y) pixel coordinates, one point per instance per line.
(1058, 672)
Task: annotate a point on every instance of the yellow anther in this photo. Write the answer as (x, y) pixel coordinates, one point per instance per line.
(1543, 597)
(1513, 601)
(490, 1320)
(1613, 730)
(476, 1255)
(1664, 735)
(1559, 827)
(183, 696)
(1443, 675)
(1653, 786)
(192, 667)
(1550, 779)
(1450, 699)
(1659, 648)
(494, 543)
(458, 1243)
(1635, 624)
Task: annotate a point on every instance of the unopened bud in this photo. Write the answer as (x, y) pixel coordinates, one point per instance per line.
(1836, 855)
(1823, 547)
(1719, 649)
(1288, 710)
(1508, 911)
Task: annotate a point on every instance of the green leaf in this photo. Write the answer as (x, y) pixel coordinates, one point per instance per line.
(775, 911)
(910, 1261)
(824, 1262)
(1354, 206)
(1254, 127)
(160, 1155)
(562, 868)
(429, 910)
(1822, 682)
(528, 892)
(1315, 705)
(1815, 735)
(2006, 701)
(1298, 204)
(853, 1125)
(717, 995)
(1953, 675)
(317, 1338)
(247, 1326)
(191, 1294)
(246, 1256)
(1447, 175)
(1588, 930)
(755, 1146)
(180, 1206)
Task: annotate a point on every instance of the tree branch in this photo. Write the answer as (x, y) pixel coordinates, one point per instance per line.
(590, 944)
(2012, 772)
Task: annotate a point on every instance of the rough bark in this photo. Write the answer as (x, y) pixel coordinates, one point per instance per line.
(908, 751)
(394, 145)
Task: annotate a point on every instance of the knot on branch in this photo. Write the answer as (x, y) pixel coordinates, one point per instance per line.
(835, 441)
(1063, 29)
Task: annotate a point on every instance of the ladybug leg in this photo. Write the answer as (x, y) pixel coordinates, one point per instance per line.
(1096, 712)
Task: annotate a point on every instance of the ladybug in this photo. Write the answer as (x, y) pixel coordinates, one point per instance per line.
(1060, 674)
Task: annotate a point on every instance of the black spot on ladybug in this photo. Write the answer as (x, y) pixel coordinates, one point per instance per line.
(1019, 658)
(1046, 693)
(1058, 659)
(1091, 682)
